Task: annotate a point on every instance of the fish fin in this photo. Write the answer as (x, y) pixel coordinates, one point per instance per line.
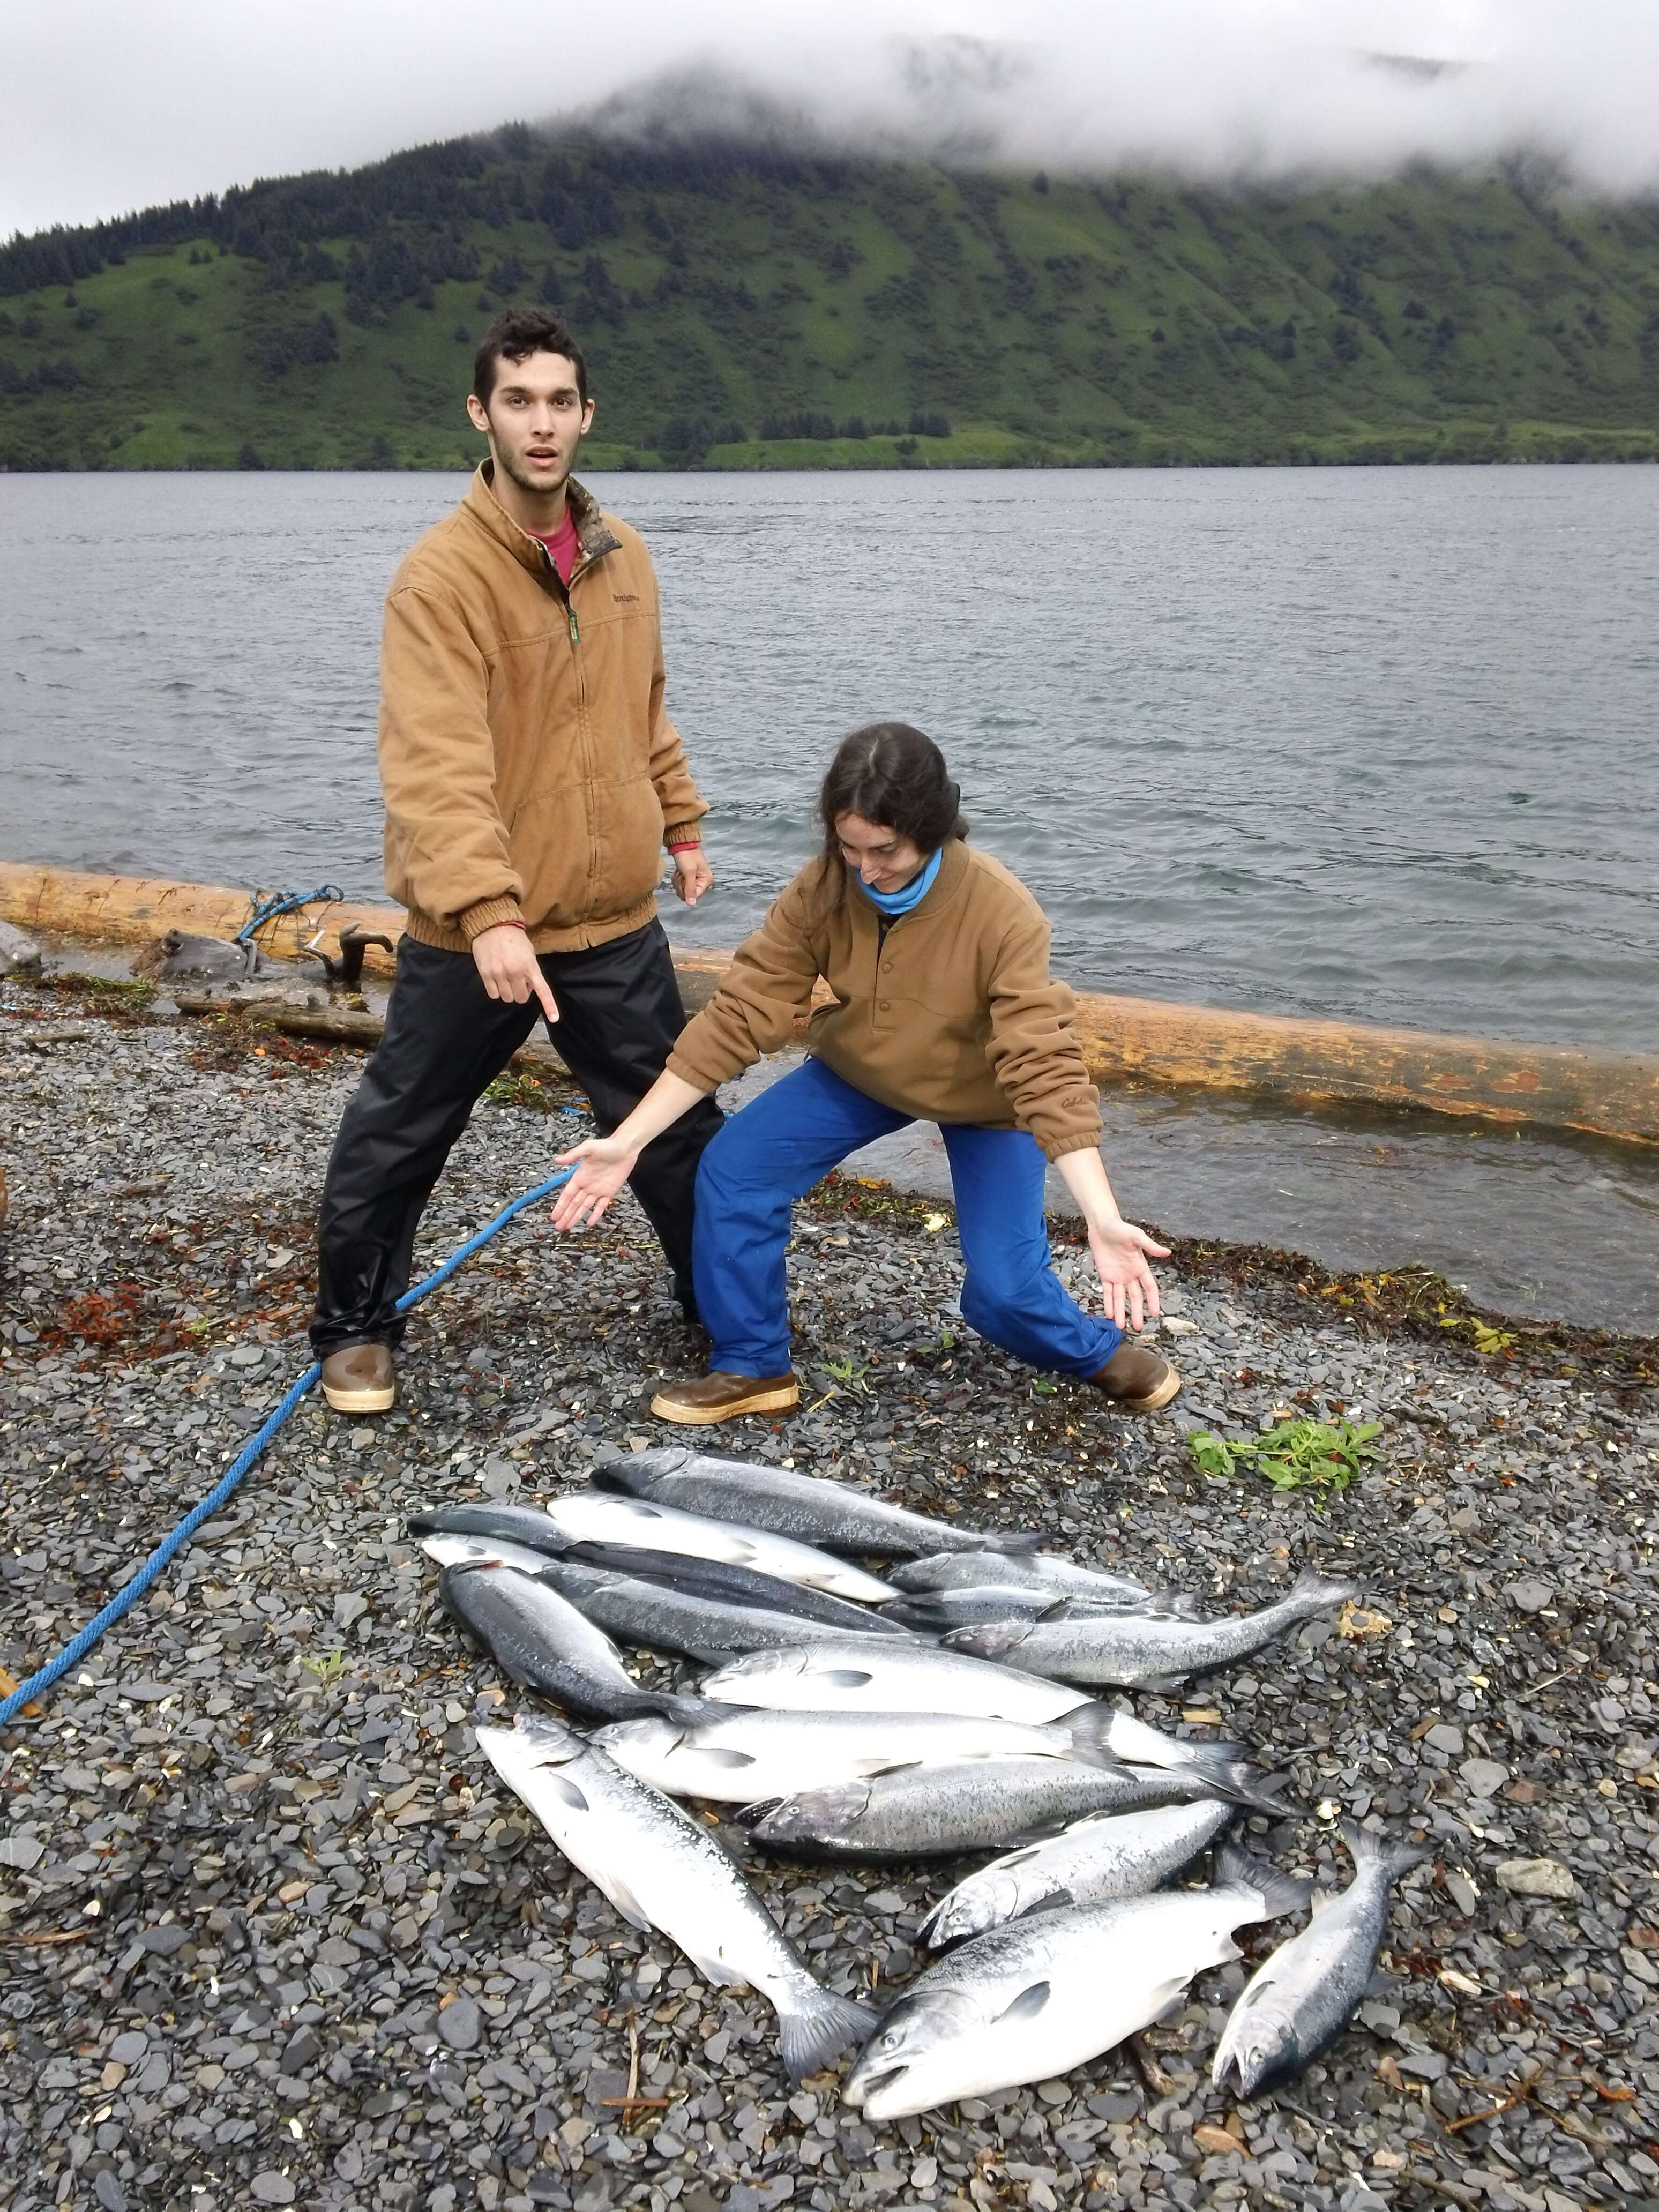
(1170, 1605)
(1226, 1775)
(990, 1640)
(1089, 1729)
(1314, 1588)
(1373, 1850)
(1236, 1867)
(892, 1766)
(846, 1678)
(1026, 2006)
(1056, 1901)
(1016, 1540)
(689, 1712)
(816, 2030)
(563, 1786)
(722, 1755)
(751, 1816)
(1065, 1608)
(1162, 1685)
(625, 1901)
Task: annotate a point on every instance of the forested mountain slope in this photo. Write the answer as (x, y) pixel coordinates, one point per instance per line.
(744, 308)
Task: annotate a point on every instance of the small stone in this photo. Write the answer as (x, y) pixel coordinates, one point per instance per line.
(1465, 1521)
(163, 1942)
(23, 1852)
(248, 1355)
(1483, 1777)
(1442, 1736)
(1536, 1878)
(460, 2025)
(349, 1606)
(272, 2188)
(1462, 1892)
(301, 2049)
(107, 2188)
(128, 2049)
(1529, 1595)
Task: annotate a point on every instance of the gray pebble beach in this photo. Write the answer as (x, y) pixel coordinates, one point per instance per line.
(272, 1933)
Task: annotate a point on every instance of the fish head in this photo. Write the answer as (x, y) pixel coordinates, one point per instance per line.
(451, 1550)
(783, 1664)
(811, 1815)
(913, 2061)
(652, 1735)
(990, 1639)
(533, 1741)
(985, 1901)
(1260, 2046)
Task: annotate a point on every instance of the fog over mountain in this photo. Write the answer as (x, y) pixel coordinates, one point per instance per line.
(107, 105)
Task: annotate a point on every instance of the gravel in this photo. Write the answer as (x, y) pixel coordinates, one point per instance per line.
(273, 1933)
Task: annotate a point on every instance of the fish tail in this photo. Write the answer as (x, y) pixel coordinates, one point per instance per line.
(1318, 1590)
(818, 2027)
(1090, 1731)
(1226, 1775)
(689, 1711)
(1276, 1892)
(1390, 1860)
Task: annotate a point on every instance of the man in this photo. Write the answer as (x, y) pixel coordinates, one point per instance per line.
(532, 779)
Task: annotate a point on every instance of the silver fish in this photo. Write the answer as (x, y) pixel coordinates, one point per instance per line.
(592, 1517)
(663, 1869)
(935, 1612)
(740, 1757)
(731, 1584)
(865, 1676)
(638, 1612)
(932, 1812)
(806, 1506)
(538, 1638)
(1103, 1856)
(1036, 1998)
(1033, 1570)
(458, 1551)
(1308, 1989)
(1146, 1650)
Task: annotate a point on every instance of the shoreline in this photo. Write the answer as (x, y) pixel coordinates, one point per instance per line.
(332, 1962)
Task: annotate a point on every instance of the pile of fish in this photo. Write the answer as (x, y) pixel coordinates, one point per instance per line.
(944, 1708)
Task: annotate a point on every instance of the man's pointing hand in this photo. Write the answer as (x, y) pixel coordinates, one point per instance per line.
(510, 969)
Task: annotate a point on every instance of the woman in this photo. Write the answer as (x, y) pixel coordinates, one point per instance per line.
(944, 1010)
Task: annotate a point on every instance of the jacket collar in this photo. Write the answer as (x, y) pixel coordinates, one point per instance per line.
(953, 867)
(593, 534)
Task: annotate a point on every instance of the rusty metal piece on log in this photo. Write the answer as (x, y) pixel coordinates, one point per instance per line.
(134, 910)
(1146, 1043)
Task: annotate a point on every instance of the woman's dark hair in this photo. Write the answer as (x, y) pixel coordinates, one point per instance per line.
(895, 776)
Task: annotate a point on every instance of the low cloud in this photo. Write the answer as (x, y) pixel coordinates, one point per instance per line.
(107, 105)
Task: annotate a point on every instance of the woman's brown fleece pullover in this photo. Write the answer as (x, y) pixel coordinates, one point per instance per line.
(954, 1017)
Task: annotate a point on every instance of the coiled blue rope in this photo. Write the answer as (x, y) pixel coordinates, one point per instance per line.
(170, 1547)
(284, 903)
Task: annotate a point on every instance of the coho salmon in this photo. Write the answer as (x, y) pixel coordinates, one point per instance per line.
(933, 1812)
(539, 1638)
(1308, 1989)
(870, 1677)
(1041, 1996)
(807, 1507)
(1142, 1650)
(663, 1869)
(741, 1757)
(1103, 1856)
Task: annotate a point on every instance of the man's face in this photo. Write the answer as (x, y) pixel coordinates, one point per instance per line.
(534, 421)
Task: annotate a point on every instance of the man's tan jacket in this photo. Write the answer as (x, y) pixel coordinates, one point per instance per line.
(530, 768)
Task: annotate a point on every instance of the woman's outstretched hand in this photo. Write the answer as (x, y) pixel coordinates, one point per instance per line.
(603, 1165)
(1121, 1252)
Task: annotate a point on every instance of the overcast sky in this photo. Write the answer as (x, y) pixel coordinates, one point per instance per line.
(109, 105)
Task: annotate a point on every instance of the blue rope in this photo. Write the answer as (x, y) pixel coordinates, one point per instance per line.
(169, 1549)
(284, 903)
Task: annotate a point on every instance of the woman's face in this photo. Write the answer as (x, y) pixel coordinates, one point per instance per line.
(881, 858)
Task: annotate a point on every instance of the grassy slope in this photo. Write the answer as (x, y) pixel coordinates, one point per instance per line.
(1133, 321)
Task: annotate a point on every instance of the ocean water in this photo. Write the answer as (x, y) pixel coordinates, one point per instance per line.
(1367, 743)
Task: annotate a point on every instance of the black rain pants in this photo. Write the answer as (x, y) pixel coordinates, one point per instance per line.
(446, 1040)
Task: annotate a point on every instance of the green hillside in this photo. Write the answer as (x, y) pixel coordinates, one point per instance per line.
(741, 310)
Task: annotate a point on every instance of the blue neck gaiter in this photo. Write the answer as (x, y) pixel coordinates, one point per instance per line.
(894, 904)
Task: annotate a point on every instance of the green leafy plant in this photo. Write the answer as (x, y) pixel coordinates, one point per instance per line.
(1322, 1456)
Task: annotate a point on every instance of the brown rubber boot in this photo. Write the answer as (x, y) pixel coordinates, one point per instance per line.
(708, 1398)
(359, 1379)
(1136, 1379)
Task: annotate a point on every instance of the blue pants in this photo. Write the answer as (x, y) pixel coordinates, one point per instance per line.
(780, 1143)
